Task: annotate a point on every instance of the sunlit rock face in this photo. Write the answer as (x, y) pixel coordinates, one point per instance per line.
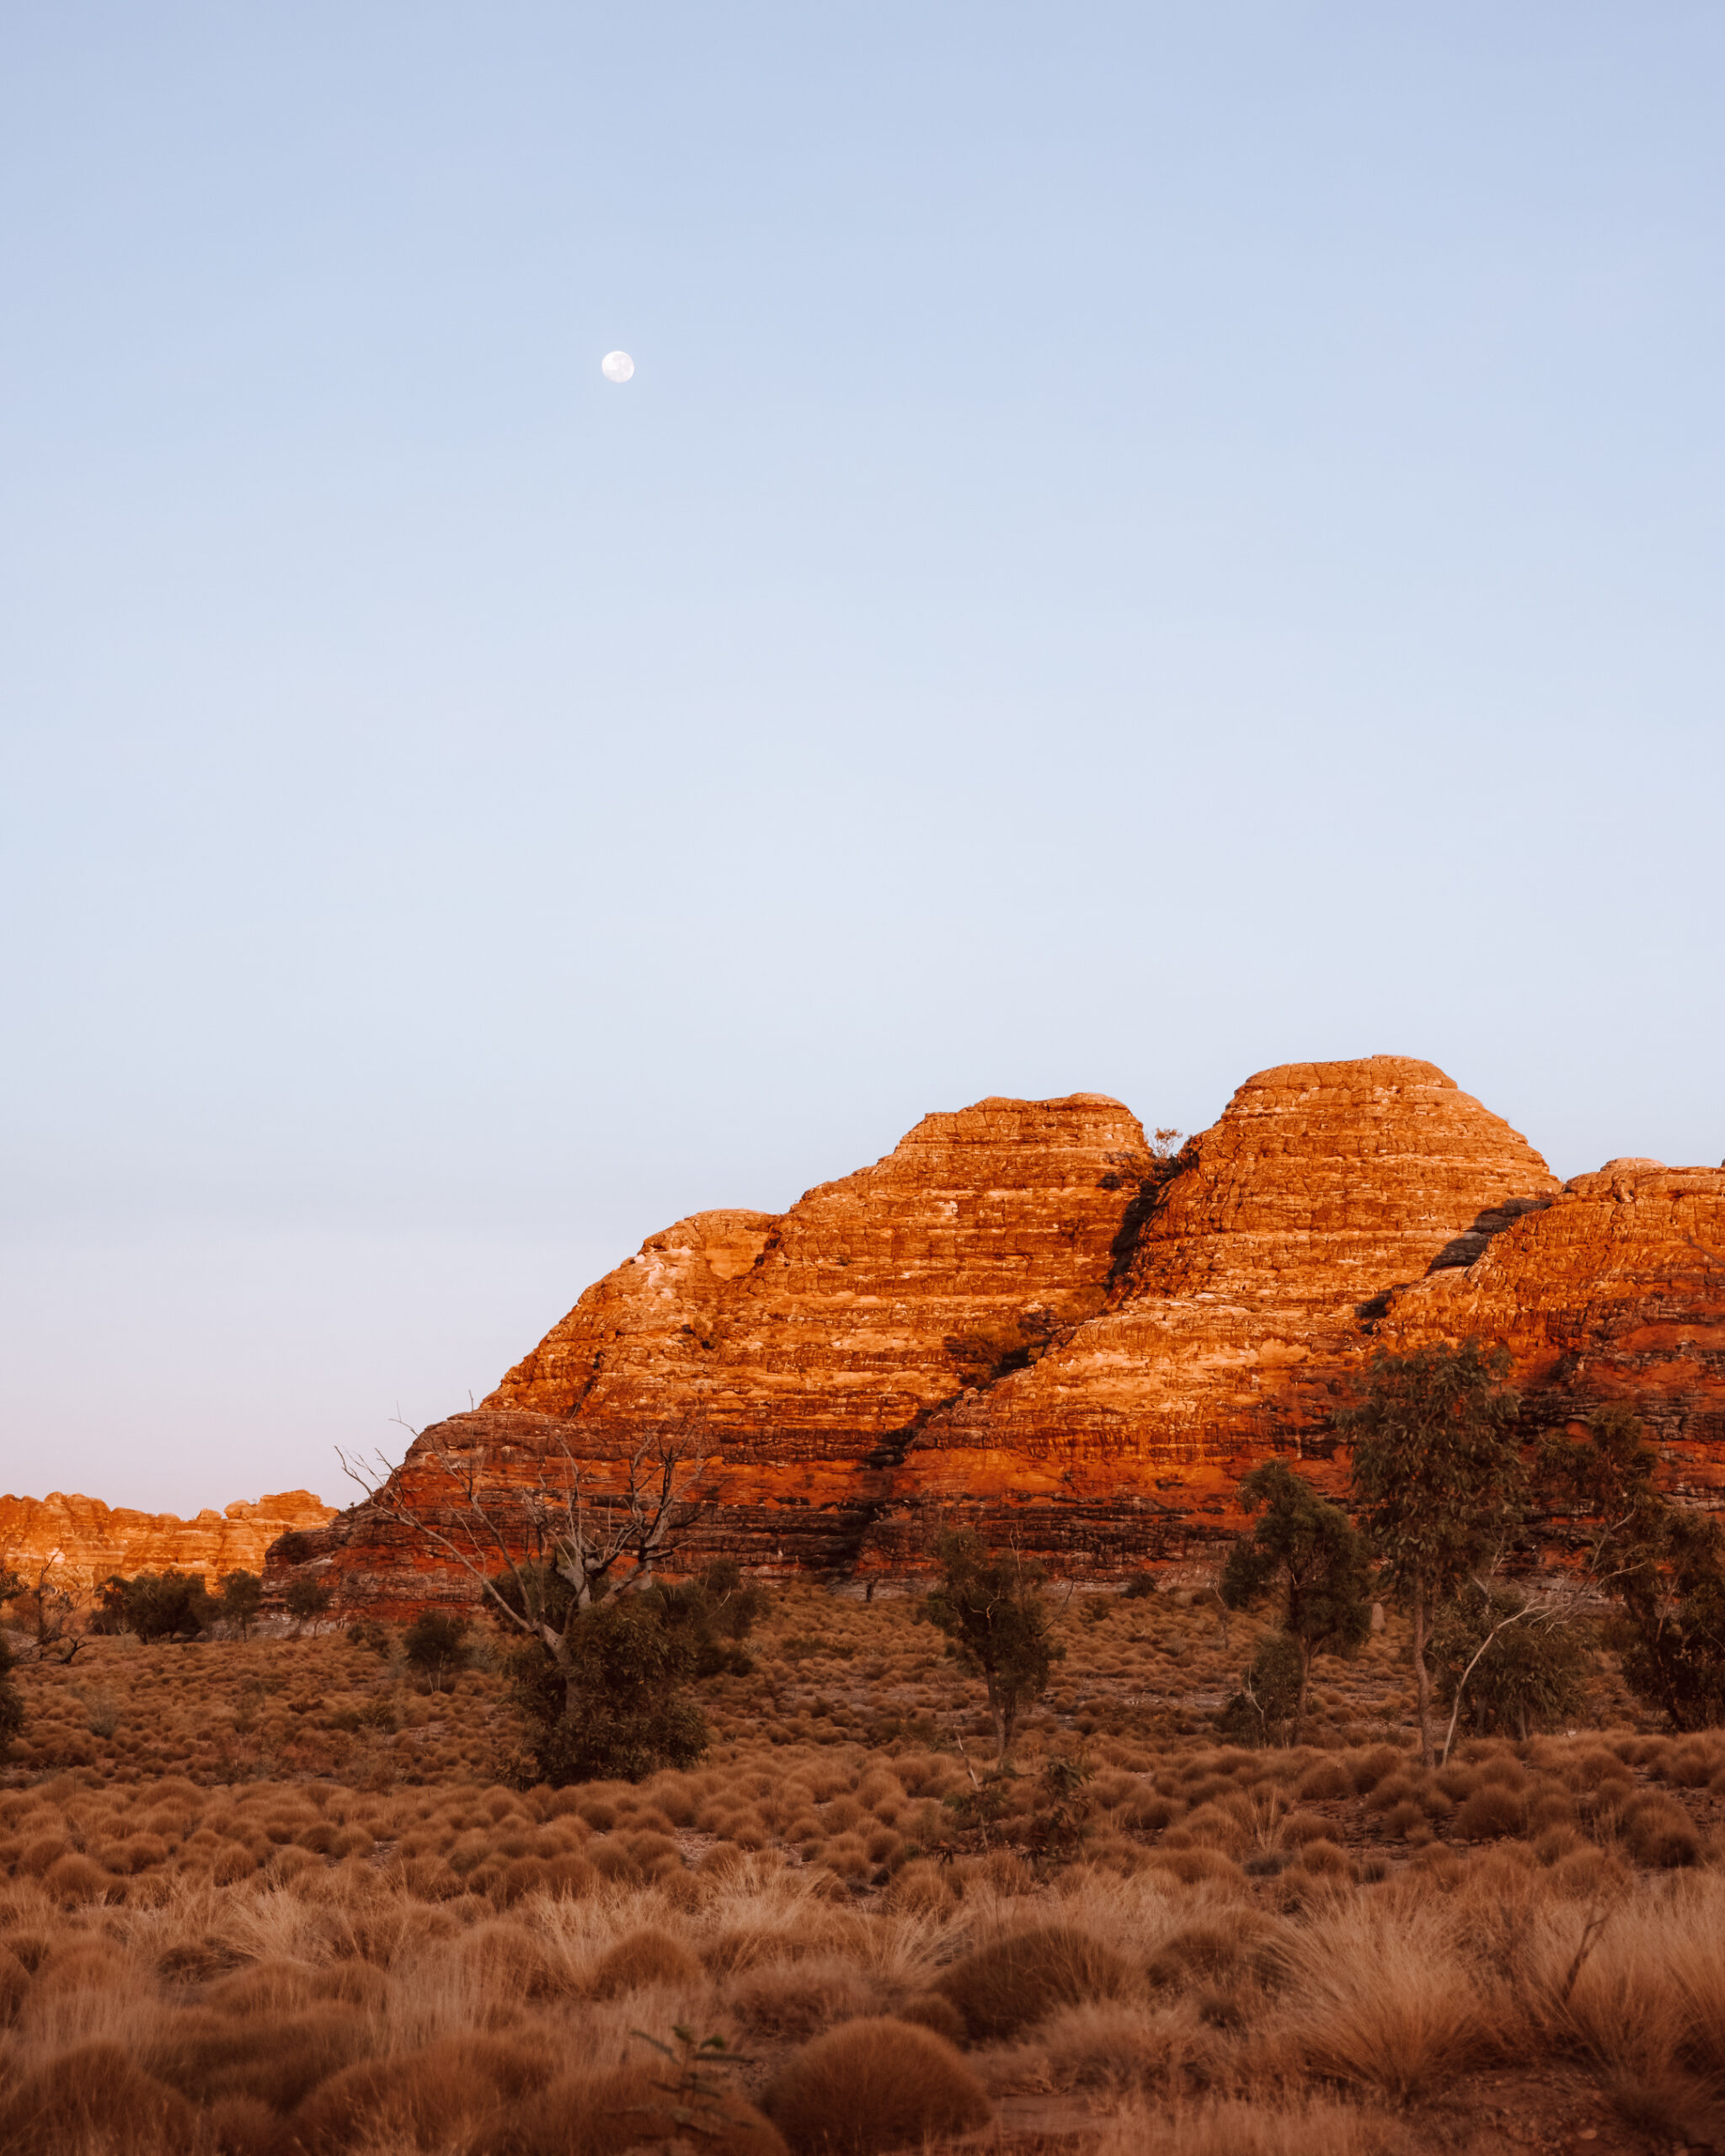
(1022, 1318)
(1614, 1292)
(82, 1541)
(1245, 1308)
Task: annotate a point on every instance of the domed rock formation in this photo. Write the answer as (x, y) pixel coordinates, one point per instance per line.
(1246, 1304)
(84, 1541)
(1616, 1292)
(1023, 1317)
(810, 1348)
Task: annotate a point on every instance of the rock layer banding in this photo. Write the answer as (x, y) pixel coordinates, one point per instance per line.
(1022, 1318)
(82, 1541)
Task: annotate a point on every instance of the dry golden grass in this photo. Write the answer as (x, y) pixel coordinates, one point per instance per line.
(277, 1901)
(873, 2085)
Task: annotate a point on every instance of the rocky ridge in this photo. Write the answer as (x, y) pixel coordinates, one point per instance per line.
(84, 1540)
(1023, 1317)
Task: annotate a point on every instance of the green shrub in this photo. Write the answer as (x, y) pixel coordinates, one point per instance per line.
(612, 1709)
(436, 1644)
(1265, 1709)
(167, 1605)
(238, 1604)
(306, 1600)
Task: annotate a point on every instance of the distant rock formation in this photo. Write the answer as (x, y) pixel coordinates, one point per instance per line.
(86, 1541)
(1023, 1318)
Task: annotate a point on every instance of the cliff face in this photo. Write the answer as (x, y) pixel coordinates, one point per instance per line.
(810, 1348)
(1022, 1318)
(1246, 1307)
(1615, 1293)
(85, 1541)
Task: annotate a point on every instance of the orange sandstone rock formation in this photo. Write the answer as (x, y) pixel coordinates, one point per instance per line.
(1022, 1317)
(84, 1541)
(1616, 1292)
(1244, 1310)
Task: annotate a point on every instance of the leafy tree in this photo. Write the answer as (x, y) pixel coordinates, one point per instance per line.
(1506, 1665)
(738, 1603)
(717, 1610)
(241, 1596)
(306, 1600)
(997, 1625)
(569, 1558)
(1665, 1564)
(170, 1605)
(436, 1644)
(1265, 1709)
(1306, 1554)
(1438, 1482)
(11, 1700)
(614, 1709)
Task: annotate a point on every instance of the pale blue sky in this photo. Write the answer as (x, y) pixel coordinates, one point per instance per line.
(1145, 543)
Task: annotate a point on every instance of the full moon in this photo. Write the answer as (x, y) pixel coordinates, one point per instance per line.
(617, 366)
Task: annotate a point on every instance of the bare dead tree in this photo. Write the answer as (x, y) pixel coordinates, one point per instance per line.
(600, 1545)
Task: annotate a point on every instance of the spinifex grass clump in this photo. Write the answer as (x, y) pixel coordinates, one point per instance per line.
(873, 2085)
(289, 1899)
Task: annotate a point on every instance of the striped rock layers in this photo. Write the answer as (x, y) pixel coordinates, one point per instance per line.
(1023, 1318)
(83, 1541)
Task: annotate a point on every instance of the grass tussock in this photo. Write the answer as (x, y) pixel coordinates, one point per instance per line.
(873, 2085)
(1012, 1983)
(270, 1899)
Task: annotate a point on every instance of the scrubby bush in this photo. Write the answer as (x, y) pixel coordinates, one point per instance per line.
(10, 1700)
(238, 1603)
(306, 1601)
(436, 1644)
(613, 1707)
(1266, 1709)
(1305, 1555)
(1522, 1672)
(1664, 1563)
(872, 2085)
(168, 1605)
(716, 1611)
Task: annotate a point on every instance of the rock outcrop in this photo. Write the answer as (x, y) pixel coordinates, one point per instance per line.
(1023, 1317)
(1616, 1292)
(84, 1540)
(1246, 1306)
